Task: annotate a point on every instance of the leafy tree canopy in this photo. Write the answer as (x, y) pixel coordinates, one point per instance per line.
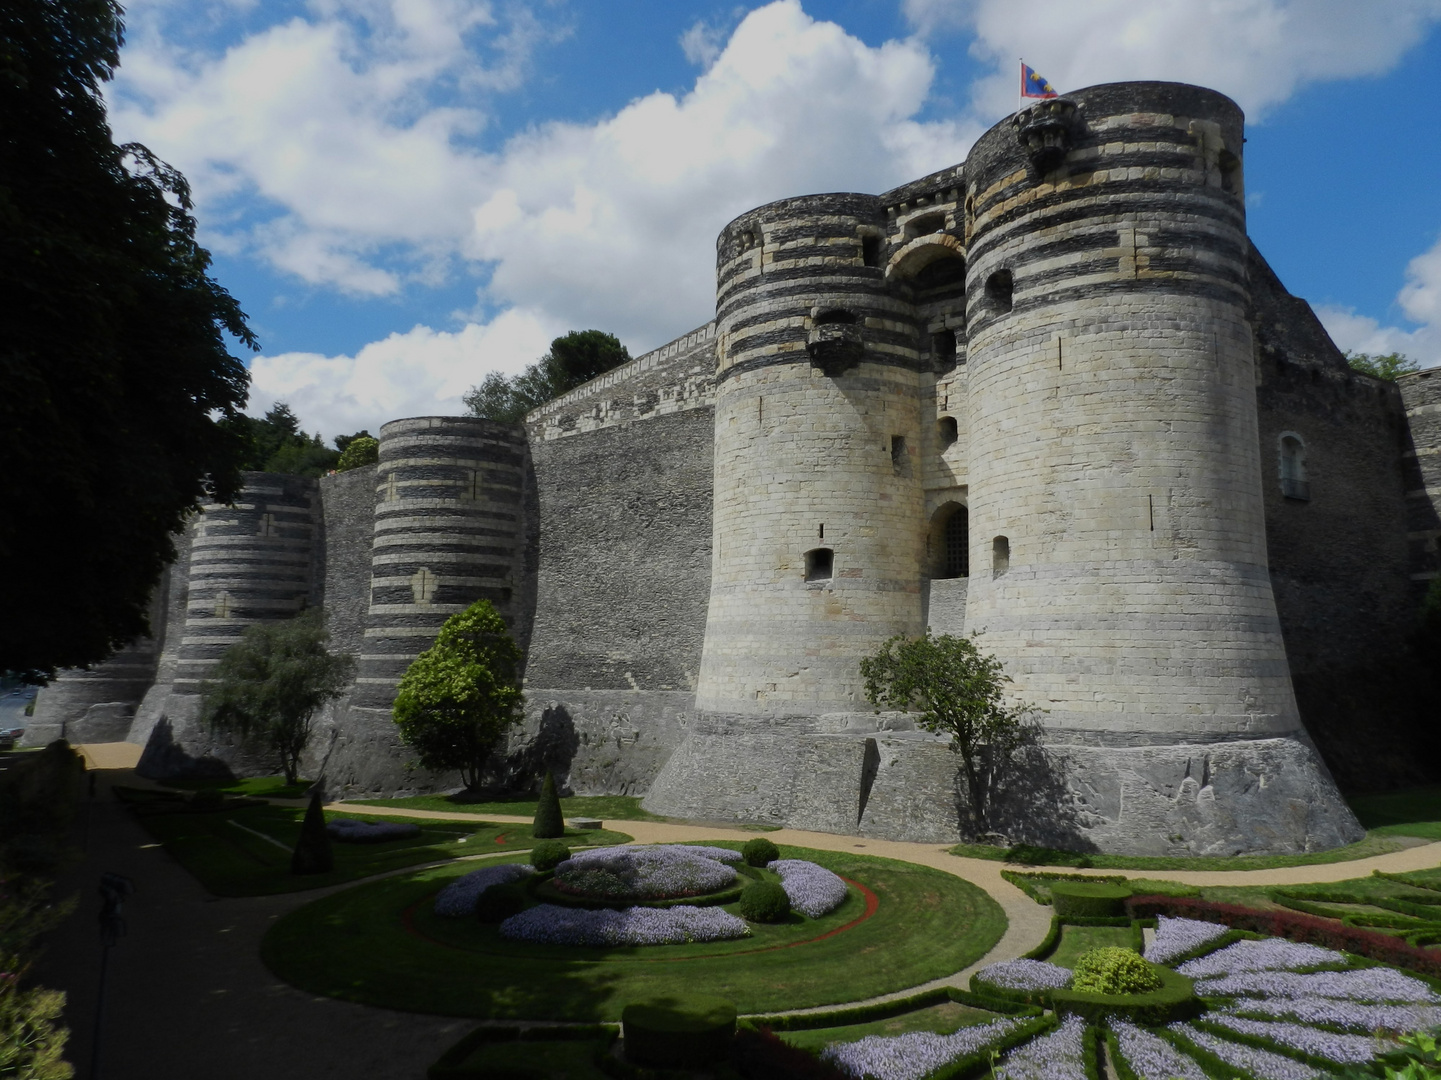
(1382, 365)
(269, 684)
(958, 691)
(276, 444)
(458, 699)
(573, 359)
(358, 450)
(113, 359)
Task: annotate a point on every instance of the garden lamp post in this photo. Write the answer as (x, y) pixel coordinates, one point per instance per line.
(114, 888)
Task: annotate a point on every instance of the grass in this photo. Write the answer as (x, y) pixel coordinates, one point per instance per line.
(1413, 812)
(605, 807)
(943, 1019)
(246, 851)
(571, 1059)
(251, 787)
(1076, 940)
(1375, 843)
(927, 924)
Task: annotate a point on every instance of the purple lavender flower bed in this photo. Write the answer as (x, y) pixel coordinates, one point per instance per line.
(1339, 1012)
(813, 890)
(1269, 954)
(913, 1055)
(458, 898)
(1025, 974)
(1151, 1057)
(1342, 1049)
(1367, 984)
(1175, 937)
(1261, 1064)
(659, 872)
(550, 924)
(350, 831)
(1057, 1056)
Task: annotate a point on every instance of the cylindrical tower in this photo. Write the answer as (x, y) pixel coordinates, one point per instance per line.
(1118, 558)
(448, 532)
(250, 562)
(818, 534)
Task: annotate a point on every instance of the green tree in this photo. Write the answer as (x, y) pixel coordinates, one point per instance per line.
(959, 692)
(269, 684)
(458, 699)
(361, 450)
(113, 357)
(1382, 365)
(549, 821)
(573, 359)
(275, 444)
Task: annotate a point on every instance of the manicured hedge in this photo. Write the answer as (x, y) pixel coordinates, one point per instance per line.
(1046, 947)
(1028, 882)
(1091, 1052)
(1206, 948)
(1385, 948)
(1089, 899)
(844, 1015)
(1175, 1000)
(679, 1032)
(1260, 1042)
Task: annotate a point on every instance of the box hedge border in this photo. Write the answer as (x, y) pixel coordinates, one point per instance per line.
(979, 1061)
(845, 1015)
(1089, 899)
(1175, 1000)
(1384, 948)
(1027, 882)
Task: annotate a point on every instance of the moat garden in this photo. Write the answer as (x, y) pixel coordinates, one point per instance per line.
(646, 948)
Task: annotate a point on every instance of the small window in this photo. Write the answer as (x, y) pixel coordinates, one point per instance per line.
(943, 347)
(999, 290)
(871, 250)
(819, 562)
(1000, 556)
(1294, 484)
(833, 315)
(1230, 172)
(898, 452)
(958, 544)
(948, 431)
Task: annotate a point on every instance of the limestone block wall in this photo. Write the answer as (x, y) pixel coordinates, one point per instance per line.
(1421, 473)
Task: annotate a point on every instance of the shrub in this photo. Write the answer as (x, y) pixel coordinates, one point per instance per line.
(1089, 899)
(766, 902)
(312, 851)
(1175, 1000)
(362, 450)
(679, 1032)
(548, 854)
(1113, 970)
(548, 820)
(760, 852)
(499, 902)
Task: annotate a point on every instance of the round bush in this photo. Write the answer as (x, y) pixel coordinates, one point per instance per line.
(548, 854)
(760, 852)
(1113, 970)
(765, 901)
(1088, 899)
(499, 902)
(682, 1032)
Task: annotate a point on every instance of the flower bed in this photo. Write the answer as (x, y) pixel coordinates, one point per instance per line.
(1022, 974)
(813, 890)
(1057, 1056)
(1176, 937)
(660, 872)
(549, 924)
(1262, 1064)
(458, 898)
(1377, 984)
(1342, 1049)
(350, 831)
(1150, 1057)
(913, 1055)
(1271, 954)
(1341, 1013)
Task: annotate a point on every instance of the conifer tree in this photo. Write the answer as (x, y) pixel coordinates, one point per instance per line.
(549, 823)
(312, 851)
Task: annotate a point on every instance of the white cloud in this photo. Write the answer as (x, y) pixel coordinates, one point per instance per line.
(422, 372)
(1257, 51)
(702, 43)
(1420, 301)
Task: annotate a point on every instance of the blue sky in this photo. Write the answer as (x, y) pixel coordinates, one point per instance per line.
(407, 194)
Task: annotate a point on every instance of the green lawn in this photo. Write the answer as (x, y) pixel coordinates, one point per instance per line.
(1413, 812)
(927, 924)
(943, 1019)
(246, 851)
(605, 807)
(1076, 940)
(252, 787)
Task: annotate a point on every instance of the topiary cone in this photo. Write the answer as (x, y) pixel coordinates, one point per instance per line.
(549, 824)
(312, 851)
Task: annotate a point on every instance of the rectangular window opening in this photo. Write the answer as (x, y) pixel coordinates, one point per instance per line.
(819, 564)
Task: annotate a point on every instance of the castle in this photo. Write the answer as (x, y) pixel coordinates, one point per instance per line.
(1052, 394)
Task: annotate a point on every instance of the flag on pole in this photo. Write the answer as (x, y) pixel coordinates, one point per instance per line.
(1034, 85)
